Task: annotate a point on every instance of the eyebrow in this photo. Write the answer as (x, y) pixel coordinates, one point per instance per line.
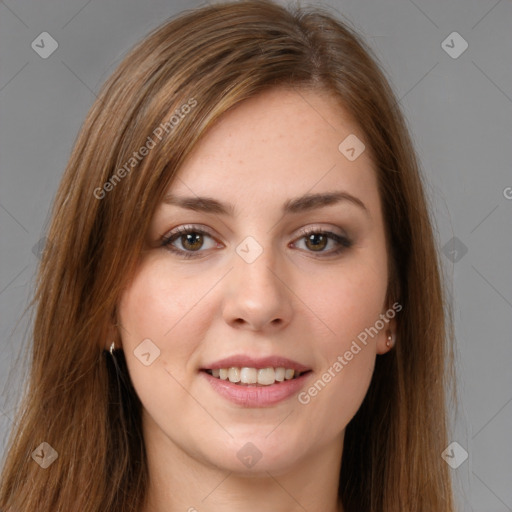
(300, 204)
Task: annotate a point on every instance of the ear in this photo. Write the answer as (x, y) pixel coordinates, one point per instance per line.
(110, 334)
(387, 336)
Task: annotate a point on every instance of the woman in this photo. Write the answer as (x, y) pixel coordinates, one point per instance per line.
(241, 305)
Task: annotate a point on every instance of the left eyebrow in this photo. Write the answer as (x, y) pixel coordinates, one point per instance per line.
(300, 204)
(310, 202)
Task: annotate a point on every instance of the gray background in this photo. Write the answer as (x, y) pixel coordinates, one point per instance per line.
(460, 115)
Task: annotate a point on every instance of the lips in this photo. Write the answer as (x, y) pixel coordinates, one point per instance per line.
(256, 382)
(245, 376)
(243, 361)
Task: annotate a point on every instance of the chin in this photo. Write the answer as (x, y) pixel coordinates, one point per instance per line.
(257, 456)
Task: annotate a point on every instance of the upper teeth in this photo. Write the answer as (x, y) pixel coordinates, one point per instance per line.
(263, 376)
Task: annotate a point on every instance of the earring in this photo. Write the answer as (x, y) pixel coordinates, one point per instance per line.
(112, 348)
(389, 341)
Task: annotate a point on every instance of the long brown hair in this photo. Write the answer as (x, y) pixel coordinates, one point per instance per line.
(169, 90)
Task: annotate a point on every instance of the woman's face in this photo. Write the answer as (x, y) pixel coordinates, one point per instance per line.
(248, 282)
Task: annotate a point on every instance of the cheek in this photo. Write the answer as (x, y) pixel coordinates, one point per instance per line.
(157, 308)
(350, 305)
(353, 298)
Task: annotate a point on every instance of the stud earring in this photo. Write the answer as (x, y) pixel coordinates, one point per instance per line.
(389, 341)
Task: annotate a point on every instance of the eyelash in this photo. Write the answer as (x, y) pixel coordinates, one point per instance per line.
(167, 241)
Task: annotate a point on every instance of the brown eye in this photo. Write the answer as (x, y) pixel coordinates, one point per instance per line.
(192, 241)
(316, 241)
(189, 241)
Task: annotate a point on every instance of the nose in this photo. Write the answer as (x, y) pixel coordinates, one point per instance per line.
(257, 296)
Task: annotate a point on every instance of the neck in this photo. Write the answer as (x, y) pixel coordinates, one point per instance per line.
(179, 481)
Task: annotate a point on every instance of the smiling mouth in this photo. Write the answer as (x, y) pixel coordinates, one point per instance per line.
(245, 376)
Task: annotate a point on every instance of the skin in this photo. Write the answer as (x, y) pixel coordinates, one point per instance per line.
(293, 301)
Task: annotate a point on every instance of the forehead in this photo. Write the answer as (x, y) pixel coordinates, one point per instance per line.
(279, 144)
